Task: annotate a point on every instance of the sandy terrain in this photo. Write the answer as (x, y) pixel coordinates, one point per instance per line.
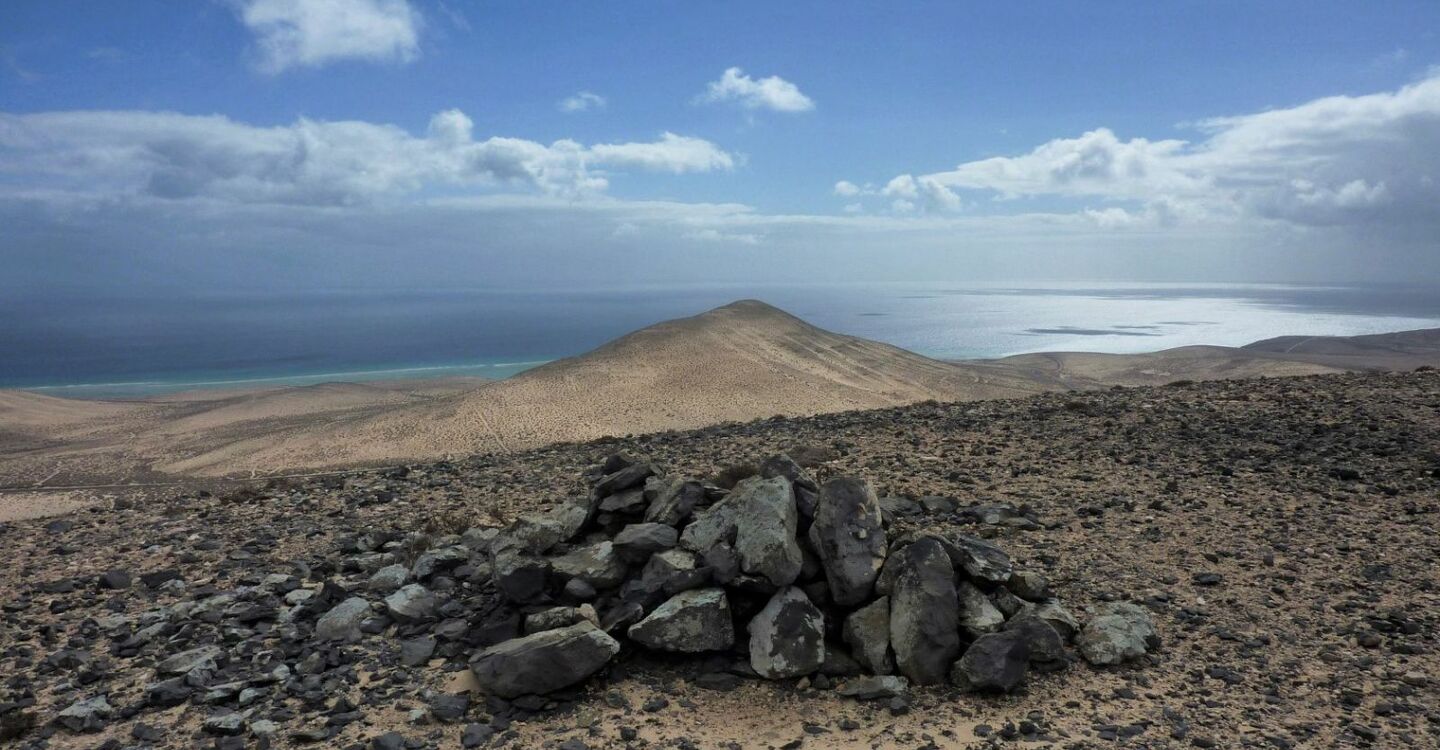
(740, 362)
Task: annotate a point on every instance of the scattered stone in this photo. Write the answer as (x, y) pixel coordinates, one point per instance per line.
(412, 603)
(342, 622)
(90, 715)
(1118, 632)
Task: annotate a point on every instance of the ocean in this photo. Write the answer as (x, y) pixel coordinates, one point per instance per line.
(117, 347)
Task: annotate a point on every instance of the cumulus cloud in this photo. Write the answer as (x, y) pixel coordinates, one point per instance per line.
(773, 93)
(581, 102)
(174, 156)
(924, 193)
(846, 189)
(1336, 160)
(313, 33)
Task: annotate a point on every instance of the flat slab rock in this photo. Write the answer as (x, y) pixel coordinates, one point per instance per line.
(545, 661)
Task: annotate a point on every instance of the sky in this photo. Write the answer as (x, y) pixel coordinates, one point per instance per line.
(157, 145)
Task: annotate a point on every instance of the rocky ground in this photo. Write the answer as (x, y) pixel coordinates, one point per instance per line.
(1282, 534)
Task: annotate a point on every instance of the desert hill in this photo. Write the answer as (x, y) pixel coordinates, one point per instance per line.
(734, 363)
(739, 362)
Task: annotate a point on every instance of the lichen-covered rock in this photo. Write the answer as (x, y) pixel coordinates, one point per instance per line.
(545, 661)
(1118, 632)
(765, 526)
(787, 637)
(343, 621)
(691, 621)
(924, 613)
(596, 564)
(412, 603)
(849, 539)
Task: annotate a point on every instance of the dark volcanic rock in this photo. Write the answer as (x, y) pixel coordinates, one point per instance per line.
(544, 661)
(924, 613)
(848, 537)
(996, 661)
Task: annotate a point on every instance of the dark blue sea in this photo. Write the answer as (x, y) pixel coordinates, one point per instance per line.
(118, 346)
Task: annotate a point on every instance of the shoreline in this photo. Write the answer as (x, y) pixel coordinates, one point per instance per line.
(147, 389)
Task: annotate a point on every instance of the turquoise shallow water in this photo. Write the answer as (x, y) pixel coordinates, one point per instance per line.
(132, 347)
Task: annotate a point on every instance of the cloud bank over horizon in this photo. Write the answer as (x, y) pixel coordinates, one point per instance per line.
(1305, 190)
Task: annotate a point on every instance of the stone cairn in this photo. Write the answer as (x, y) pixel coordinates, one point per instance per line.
(792, 577)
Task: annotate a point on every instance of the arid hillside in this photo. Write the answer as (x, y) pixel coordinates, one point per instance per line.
(743, 361)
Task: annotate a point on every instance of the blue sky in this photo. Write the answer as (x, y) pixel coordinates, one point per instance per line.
(990, 141)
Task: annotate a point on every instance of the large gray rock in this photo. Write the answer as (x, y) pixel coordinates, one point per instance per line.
(630, 502)
(388, 579)
(623, 479)
(867, 632)
(671, 500)
(342, 622)
(203, 659)
(994, 662)
(520, 575)
(765, 526)
(1118, 632)
(979, 559)
(806, 492)
(536, 533)
(638, 540)
(438, 560)
(924, 613)
(596, 564)
(787, 637)
(978, 615)
(848, 538)
(412, 603)
(691, 621)
(543, 662)
(1046, 645)
(86, 716)
(711, 527)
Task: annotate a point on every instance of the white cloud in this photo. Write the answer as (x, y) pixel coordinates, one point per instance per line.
(313, 33)
(1341, 159)
(847, 189)
(581, 102)
(676, 154)
(773, 93)
(176, 156)
(925, 193)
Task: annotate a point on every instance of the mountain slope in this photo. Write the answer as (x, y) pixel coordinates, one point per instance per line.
(734, 363)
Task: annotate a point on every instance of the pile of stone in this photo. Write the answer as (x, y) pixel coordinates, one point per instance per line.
(790, 577)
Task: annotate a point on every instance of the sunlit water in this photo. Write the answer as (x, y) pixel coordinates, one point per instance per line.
(87, 347)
